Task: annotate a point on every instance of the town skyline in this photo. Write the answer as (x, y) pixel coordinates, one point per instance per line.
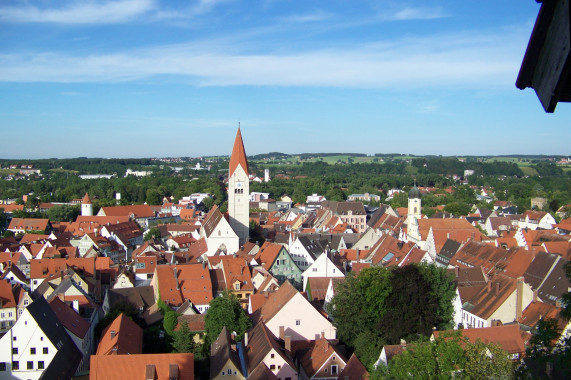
(142, 78)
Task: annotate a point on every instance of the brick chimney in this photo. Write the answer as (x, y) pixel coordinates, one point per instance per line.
(282, 333)
(497, 288)
(288, 344)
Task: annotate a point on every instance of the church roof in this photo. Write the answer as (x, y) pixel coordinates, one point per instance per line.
(238, 157)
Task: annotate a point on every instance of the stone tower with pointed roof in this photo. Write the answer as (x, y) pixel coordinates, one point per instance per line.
(239, 190)
(414, 205)
(86, 206)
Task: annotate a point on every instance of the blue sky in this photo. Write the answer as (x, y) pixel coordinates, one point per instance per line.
(152, 78)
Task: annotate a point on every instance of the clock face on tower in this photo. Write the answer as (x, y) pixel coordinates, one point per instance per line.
(239, 185)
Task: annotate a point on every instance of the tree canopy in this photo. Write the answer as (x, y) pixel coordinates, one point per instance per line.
(225, 311)
(404, 302)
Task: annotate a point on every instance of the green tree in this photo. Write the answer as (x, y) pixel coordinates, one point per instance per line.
(63, 213)
(153, 197)
(152, 233)
(225, 311)
(183, 339)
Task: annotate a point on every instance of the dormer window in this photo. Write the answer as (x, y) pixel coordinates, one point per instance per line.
(237, 286)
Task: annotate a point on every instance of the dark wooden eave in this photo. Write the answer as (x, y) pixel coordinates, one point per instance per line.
(547, 62)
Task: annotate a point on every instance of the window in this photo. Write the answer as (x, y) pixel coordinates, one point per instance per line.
(15, 365)
(45, 351)
(30, 365)
(14, 350)
(272, 367)
(14, 338)
(334, 369)
(272, 356)
(32, 350)
(298, 322)
(229, 371)
(26, 302)
(41, 364)
(277, 262)
(2, 366)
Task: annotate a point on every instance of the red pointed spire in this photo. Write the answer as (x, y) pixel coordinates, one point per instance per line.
(86, 200)
(238, 156)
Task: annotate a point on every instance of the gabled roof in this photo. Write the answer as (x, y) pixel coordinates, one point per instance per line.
(69, 318)
(540, 268)
(6, 294)
(268, 253)
(354, 370)
(555, 284)
(318, 355)
(121, 337)
(238, 157)
(68, 356)
(137, 367)
(508, 337)
(488, 298)
(211, 220)
(221, 352)
(141, 296)
(139, 211)
(276, 301)
(29, 224)
(317, 288)
(260, 342)
(489, 257)
(540, 310)
(185, 281)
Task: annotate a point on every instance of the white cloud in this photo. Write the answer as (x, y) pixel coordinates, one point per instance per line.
(79, 12)
(470, 60)
(308, 17)
(409, 13)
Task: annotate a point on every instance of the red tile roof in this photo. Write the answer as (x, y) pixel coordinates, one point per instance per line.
(508, 337)
(136, 367)
(6, 294)
(69, 318)
(238, 157)
(121, 337)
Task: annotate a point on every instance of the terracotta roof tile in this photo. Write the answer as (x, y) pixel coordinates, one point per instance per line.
(134, 367)
(508, 337)
(121, 337)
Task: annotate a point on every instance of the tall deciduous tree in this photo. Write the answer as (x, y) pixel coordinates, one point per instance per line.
(226, 311)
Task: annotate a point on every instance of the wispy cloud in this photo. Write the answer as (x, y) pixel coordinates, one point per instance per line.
(78, 12)
(308, 17)
(410, 13)
(471, 60)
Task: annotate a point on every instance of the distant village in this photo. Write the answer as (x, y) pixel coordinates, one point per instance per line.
(60, 279)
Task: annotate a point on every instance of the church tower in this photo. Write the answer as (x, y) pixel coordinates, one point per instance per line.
(86, 206)
(239, 190)
(414, 213)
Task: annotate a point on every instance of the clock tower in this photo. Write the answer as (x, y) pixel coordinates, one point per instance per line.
(239, 190)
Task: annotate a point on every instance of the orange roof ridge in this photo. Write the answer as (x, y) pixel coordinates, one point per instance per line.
(238, 156)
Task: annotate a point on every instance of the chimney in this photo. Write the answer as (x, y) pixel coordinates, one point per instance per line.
(75, 305)
(357, 254)
(246, 339)
(173, 372)
(489, 286)
(535, 297)
(456, 271)
(61, 275)
(323, 335)
(288, 344)
(497, 288)
(448, 235)
(113, 334)
(175, 278)
(519, 299)
(282, 333)
(204, 264)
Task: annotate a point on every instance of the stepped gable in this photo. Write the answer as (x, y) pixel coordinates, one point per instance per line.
(238, 157)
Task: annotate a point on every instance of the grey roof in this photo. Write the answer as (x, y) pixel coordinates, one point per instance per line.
(539, 268)
(376, 216)
(68, 357)
(449, 248)
(221, 352)
(555, 285)
(140, 296)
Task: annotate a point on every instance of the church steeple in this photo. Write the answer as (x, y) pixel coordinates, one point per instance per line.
(238, 157)
(239, 190)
